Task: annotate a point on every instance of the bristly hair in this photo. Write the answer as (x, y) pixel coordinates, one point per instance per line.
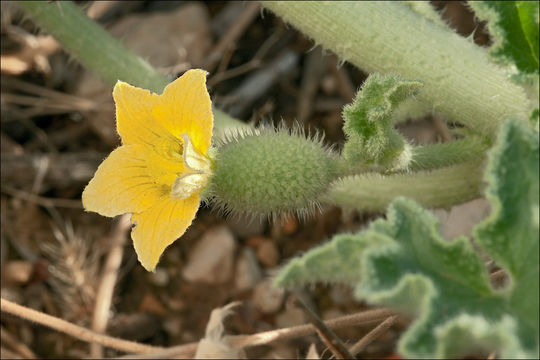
(303, 213)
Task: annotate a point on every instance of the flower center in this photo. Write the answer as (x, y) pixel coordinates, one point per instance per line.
(196, 174)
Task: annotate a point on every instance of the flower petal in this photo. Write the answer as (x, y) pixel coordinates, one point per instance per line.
(185, 107)
(134, 120)
(160, 225)
(122, 184)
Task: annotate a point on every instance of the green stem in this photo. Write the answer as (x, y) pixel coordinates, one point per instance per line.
(426, 157)
(449, 153)
(389, 37)
(98, 51)
(438, 188)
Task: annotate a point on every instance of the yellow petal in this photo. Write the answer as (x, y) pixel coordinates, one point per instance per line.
(160, 225)
(122, 184)
(134, 120)
(185, 107)
(165, 161)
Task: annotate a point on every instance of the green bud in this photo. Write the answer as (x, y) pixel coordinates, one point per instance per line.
(271, 172)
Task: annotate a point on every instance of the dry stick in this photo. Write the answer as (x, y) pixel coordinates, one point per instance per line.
(372, 335)
(330, 338)
(345, 86)
(255, 63)
(311, 76)
(266, 337)
(108, 280)
(441, 128)
(233, 34)
(74, 330)
(40, 200)
(13, 343)
(7, 354)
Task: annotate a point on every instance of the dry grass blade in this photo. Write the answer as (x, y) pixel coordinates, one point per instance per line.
(40, 200)
(78, 332)
(16, 345)
(333, 342)
(108, 280)
(266, 337)
(232, 34)
(372, 335)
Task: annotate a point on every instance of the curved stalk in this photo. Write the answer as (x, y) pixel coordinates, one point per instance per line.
(98, 51)
(438, 188)
(389, 37)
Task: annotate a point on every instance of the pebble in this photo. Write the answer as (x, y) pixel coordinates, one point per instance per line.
(152, 305)
(160, 277)
(290, 317)
(267, 253)
(248, 273)
(267, 298)
(211, 259)
(461, 219)
(244, 228)
(17, 271)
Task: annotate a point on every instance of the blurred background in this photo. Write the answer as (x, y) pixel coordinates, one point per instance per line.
(58, 124)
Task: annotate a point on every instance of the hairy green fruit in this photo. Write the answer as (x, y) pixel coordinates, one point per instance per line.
(271, 172)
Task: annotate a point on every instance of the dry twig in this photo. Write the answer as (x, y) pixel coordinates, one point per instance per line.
(16, 345)
(78, 332)
(108, 280)
(232, 35)
(40, 200)
(372, 335)
(266, 337)
(333, 342)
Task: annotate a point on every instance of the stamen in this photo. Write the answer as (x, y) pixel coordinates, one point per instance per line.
(195, 177)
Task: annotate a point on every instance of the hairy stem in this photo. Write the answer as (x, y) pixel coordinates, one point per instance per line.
(98, 51)
(438, 188)
(390, 37)
(434, 156)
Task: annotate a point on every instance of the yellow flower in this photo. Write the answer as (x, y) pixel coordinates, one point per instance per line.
(162, 165)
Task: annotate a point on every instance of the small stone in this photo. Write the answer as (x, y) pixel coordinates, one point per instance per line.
(246, 229)
(267, 253)
(160, 277)
(18, 271)
(331, 314)
(290, 225)
(172, 326)
(152, 305)
(248, 273)
(267, 298)
(340, 294)
(461, 219)
(211, 260)
(290, 317)
(255, 241)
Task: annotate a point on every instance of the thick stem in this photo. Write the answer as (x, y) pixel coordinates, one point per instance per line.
(438, 188)
(434, 156)
(389, 37)
(426, 157)
(98, 51)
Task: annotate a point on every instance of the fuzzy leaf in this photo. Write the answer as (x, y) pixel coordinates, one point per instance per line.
(405, 263)
(371, 138)
(510, 234)
(445, 283)
(514, 27)
(337, 261)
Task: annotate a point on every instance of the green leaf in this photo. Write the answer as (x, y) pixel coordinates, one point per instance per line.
(510, 234)
(514, 27)
(445, 283)
(336, 261)
(405, 263)
(371, 138)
